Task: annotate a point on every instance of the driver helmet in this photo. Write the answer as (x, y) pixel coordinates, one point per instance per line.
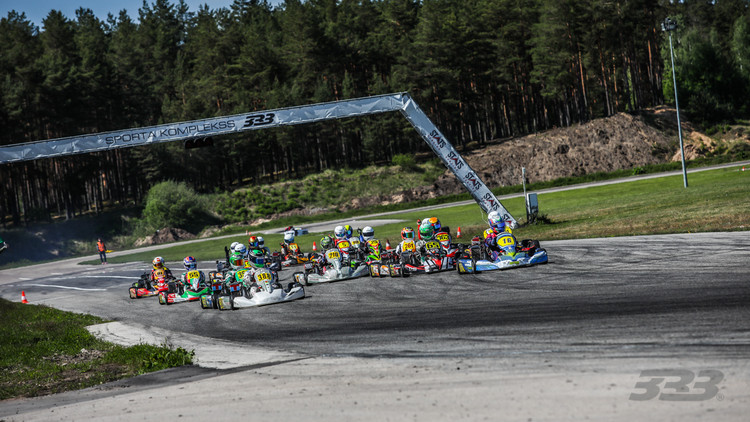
(231, 247)
(496, 221)
(241, 249)
(426, 232)
(261, 242)
(257, 258)
(339, 232)
(435, 223)
(189, 263)
(289, 236)
(326, 242)
(158, 263)
(349, 231)
(407, 233)
(368, 233)
(252, 243)
(237, 260)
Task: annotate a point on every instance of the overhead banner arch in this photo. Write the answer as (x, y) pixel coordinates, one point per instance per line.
(225, 125)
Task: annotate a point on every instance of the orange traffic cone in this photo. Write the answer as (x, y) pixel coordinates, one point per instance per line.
(458, 232)
(23, 297)
(743, 168)
(315, 247)
(388, 245)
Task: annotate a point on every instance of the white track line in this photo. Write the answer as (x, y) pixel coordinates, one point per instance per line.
(67, 287)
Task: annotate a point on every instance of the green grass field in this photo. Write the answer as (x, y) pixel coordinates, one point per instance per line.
(716, 200)
(45, 351)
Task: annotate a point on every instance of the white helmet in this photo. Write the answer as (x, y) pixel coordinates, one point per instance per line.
(240, 248)
(288, 237)
(339, 232)
(233, 245)
(368, 233)
(261, 242)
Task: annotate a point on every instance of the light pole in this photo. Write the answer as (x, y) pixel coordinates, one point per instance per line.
(668, 26)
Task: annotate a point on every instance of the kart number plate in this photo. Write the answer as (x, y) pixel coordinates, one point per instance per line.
(443, 237)
(374, 244)
(263, 276)
(344, 244)
(293, 247)
(193, 274)
(241, 274)
(432, 245)
(409, 246)
(159, 274)
(355, 243)
(333, 254)
(506, 240)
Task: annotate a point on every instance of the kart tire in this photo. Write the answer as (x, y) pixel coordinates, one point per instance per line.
(133, 293)
(215, 302)
(404, 273)
(244, 292)
(162, 299)
(231, 303)
(171, 287)
(202, 303)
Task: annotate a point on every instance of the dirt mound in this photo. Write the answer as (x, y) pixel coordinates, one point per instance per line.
(165, 235)
(620, 142)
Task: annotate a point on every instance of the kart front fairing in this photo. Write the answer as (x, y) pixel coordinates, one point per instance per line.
(262, 298)
(333, 268)
(186, 295)
(336, 273)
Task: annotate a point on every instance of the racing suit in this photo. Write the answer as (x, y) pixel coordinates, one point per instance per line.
(494, 251)
(167, 273)
(287, 252)
(414, 257)
(152, 279)
(201, 281)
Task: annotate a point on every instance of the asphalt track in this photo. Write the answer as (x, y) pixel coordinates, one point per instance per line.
(562, 341)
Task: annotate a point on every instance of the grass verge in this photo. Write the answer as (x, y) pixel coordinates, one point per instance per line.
(45, 351)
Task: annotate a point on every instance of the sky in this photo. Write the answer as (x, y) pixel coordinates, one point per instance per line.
(36, 10)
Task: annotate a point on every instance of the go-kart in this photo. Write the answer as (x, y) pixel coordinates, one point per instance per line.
(210, 300)
(294, 255)
(335, 264)
(439, 255)
(267, 291)
(144, 287)
(511, 254)
(189, 291)
(379, 262)
(224, 283)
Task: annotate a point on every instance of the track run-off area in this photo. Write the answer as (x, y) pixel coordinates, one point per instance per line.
(563, 341)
